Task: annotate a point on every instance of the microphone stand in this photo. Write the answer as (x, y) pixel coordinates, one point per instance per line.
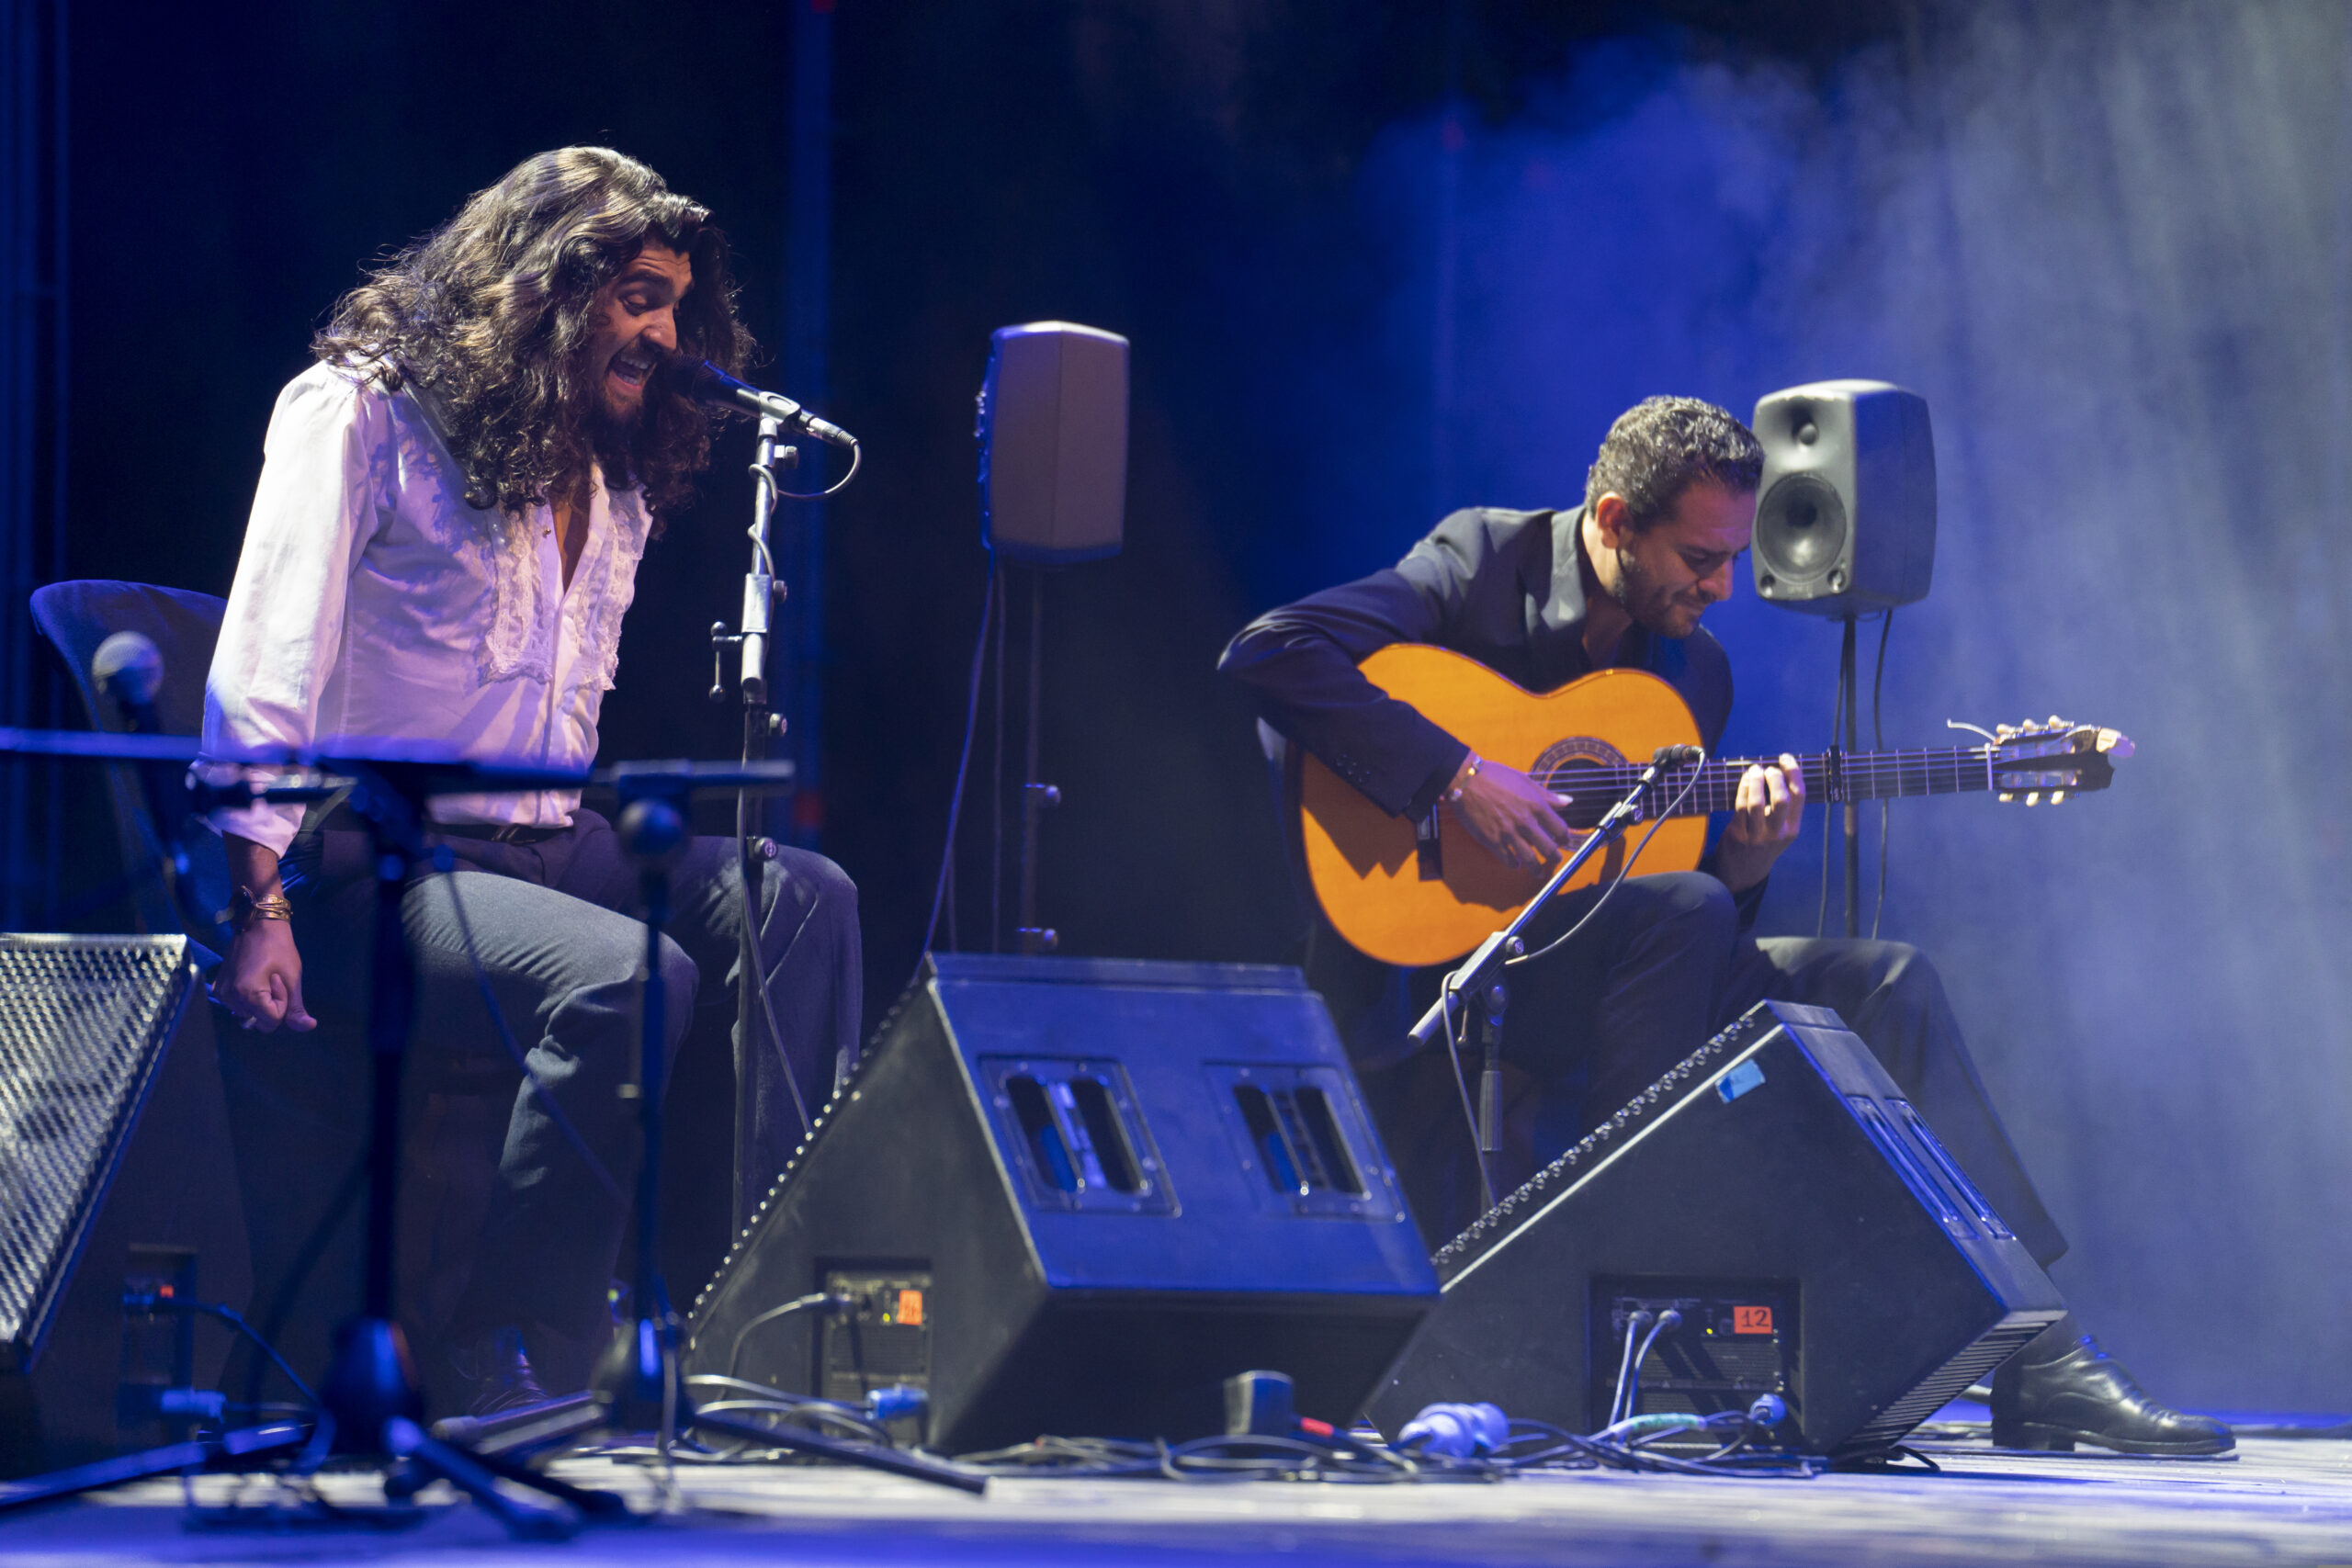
(762, 589)
(638, 1385)
(1484, 967)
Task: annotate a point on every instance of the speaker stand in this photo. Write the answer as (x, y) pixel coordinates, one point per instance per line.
(1848, 686)
(1035, 795)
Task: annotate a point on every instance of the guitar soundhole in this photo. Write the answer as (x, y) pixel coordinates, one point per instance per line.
(1567, 755)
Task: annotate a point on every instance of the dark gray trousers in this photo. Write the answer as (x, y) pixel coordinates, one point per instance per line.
(1662, 966)
(555, 925)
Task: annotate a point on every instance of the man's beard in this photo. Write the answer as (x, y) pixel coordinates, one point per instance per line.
(614, 437)
(1645, 604)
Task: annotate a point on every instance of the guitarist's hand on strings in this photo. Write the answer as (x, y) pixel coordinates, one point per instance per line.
(1765, 817)
(1513, 817)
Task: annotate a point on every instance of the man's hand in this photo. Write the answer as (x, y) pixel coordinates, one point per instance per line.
(1765, 817)
(1513, 817)
(261, 980)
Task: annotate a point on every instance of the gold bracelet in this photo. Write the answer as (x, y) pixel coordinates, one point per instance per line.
(1454, 795)
(246, 908)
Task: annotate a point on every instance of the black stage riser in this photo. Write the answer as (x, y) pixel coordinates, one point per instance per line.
(1099, 1311)
(1904, 1288)
(116, 1162)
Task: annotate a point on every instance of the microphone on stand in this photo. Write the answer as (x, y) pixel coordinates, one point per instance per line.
(708, 385)
(128, 670)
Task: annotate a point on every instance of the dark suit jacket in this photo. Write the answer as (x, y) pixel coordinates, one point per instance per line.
(1503, 587)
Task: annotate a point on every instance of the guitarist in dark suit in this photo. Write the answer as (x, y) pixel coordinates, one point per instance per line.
(1543, 598)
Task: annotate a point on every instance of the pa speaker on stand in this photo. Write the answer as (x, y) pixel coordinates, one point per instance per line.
(1844, 527)
(1053, 448)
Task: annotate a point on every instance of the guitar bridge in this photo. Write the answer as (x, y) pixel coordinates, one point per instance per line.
(1429, 856)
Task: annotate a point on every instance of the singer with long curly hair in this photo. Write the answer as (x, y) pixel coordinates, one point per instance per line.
(453, 504)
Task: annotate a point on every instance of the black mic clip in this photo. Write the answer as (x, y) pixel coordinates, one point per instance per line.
(706, 384)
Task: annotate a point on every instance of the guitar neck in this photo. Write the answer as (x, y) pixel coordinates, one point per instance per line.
(1836, 777)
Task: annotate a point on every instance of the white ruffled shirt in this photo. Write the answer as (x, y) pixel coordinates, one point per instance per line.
(372, 602)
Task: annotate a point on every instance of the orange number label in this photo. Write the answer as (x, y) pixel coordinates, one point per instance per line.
(910, 1310)
(1751, 1320)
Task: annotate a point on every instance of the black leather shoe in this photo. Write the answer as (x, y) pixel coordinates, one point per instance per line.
(494, 1374)
(2062, 1389)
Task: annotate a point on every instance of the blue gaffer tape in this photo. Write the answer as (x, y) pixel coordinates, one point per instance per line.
(1740, 1080)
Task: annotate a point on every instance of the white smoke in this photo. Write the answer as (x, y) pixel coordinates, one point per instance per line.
(2111, 243)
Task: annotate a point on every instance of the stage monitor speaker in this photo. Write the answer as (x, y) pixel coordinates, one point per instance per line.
(1053, 435)
(1846, 511)
(1777, 1192)
(1072, 1196)
(116, 1175)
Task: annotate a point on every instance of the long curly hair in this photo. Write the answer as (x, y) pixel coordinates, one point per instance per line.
(493, 312)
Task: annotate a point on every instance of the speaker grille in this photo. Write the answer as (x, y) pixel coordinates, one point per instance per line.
(1942, 1386)
(1490, 1229)
(1801, 528)
(83, 1023)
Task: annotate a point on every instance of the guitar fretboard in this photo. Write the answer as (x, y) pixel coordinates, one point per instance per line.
(1828, 776)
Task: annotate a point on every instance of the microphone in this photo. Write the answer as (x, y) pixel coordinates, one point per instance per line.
(1674, 756)
(128, 668)
(708, 385)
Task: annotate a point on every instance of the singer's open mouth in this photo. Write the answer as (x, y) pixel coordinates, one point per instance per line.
(632, 367)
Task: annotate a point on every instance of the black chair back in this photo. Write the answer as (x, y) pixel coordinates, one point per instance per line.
(184, 626)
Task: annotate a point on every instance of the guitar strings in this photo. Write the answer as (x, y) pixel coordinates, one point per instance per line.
(1944, 770)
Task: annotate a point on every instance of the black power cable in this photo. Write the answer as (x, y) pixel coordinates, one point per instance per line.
(989, 607)
(151, 1302)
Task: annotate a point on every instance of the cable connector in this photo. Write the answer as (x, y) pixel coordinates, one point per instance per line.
(1457, 1431)
(898, 1400)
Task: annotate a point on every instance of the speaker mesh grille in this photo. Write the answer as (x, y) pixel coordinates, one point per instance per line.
(1940, 1387)
(83, 1021)
(1491, 1228)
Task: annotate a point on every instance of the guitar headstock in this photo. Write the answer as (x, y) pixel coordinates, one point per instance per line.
(2054, 759)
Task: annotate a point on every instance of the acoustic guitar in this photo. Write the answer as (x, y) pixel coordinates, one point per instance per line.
(1408, 897)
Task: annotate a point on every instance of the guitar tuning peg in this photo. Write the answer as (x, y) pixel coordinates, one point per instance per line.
(2057, 723)
(2033, 797)
(2005, 730)
(2057, 796)
(2004, 798)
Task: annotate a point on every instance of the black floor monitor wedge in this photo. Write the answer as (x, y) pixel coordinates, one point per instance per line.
(117, 1182)
(1072, 1196)
(1775, 1189)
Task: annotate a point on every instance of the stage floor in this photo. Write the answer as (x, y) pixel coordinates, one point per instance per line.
(2278, 1501)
